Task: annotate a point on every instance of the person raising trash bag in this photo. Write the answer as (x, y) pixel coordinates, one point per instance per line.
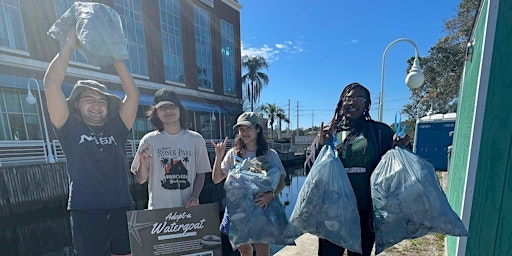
(362, 142)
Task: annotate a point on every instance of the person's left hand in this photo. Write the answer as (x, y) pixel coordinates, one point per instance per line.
(401, 141)
(263, 199)
(192, 201)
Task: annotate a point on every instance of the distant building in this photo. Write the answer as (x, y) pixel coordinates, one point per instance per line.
(190, 46)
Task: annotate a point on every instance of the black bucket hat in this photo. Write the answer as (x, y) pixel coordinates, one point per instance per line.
(114, 102)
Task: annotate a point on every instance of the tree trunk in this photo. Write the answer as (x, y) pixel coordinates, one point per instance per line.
(251, 97)
(279, 128)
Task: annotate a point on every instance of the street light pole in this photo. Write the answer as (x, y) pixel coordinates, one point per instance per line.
(414, 79)
(220, 120)
(32, 100)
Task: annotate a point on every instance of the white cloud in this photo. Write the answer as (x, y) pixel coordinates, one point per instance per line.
(353, 41)
(273, 53)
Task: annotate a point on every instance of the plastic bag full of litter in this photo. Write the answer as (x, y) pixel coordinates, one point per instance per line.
(249, 223)
(408, 201)
(326, 205)
(99, 31)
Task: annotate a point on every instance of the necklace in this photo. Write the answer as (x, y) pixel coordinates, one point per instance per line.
(97, 136)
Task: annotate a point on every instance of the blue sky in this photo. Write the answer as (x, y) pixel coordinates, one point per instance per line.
(315, 48)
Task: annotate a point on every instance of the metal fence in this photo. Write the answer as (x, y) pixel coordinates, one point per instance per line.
(15, 153)
(25, 152)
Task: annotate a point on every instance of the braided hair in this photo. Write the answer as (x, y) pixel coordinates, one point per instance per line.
(339, 119)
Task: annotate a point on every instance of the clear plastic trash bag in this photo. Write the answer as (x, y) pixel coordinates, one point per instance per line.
(408, 200)
(326, 205)
(99, 31)
(249, 223)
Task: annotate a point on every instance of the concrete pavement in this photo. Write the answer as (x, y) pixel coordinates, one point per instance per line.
(306, 244)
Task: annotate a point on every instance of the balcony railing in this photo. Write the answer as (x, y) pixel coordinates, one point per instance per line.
(15, 153)
(26, 152)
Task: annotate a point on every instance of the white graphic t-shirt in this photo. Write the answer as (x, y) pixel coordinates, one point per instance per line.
(175, 161)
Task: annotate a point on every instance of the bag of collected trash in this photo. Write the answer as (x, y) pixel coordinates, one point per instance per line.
(326, 205)
(408, 200)
(224, 223)
(99, 31)
(249, 223)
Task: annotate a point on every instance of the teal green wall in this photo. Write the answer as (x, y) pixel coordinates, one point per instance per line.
(464, 125)
(491, 219)
(490, 226)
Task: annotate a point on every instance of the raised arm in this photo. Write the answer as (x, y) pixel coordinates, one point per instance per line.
(55, 99)
(128, 110)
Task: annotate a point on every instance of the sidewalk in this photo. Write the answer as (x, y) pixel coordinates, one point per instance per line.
(307, 244)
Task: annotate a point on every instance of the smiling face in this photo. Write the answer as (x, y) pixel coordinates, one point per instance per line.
(248, 134)
(354, 104)
(92, 106)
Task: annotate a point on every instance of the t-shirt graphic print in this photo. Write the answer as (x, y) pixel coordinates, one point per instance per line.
(176, 173)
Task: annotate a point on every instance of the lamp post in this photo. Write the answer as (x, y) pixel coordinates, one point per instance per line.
(214, 118)
(414, 79)
(32, 100)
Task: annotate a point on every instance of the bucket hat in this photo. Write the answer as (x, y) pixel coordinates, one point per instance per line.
(114, 102)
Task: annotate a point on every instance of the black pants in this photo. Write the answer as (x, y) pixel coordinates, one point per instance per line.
(327, 248)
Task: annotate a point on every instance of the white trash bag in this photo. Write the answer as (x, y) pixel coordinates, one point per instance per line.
(326, 205)
(408, 201)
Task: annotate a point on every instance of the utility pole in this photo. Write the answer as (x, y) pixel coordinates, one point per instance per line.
(312, 119)
(297, 118)
(289, 117)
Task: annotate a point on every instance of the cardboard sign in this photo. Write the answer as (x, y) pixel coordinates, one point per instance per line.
(182, 231)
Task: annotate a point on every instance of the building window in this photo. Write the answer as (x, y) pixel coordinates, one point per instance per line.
(12, 34)
(203, 48)
(61, 6)
(18, 119)
(141, 126)
(228, 57)
(131, 18)
(171, 40)
(206, 127)
(208, 2)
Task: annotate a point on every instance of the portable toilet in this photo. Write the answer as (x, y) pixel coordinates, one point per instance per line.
(432, 138)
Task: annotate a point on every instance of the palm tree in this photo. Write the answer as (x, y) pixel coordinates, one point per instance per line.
(273, 111)
(254, 79)
(281, 116)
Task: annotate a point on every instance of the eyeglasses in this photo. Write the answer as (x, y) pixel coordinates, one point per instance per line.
(91, 100)
(357, 100)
